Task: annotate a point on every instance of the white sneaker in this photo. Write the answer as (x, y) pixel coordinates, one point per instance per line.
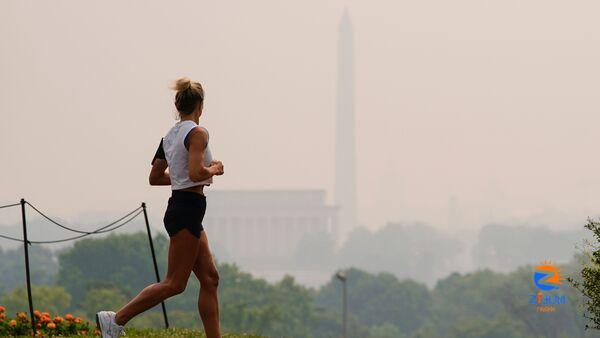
(105, 321)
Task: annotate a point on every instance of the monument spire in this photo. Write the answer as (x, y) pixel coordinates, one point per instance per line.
(345, 148)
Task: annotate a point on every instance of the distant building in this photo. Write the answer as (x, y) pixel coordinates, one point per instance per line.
(266, 223)
(345, 139)
(271, 223)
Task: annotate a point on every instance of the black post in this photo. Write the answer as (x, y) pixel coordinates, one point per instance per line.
(345, 301)
(27, 275)
(164, 309)
(341, 275)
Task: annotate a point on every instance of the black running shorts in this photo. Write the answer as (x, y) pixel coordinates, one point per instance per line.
(185, 210)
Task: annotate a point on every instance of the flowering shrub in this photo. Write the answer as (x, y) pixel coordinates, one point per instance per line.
(45, 325)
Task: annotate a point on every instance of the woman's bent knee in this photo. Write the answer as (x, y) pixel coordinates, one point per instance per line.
(175, 288)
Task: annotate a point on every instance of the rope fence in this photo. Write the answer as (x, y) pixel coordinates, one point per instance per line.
(100, 230)
(120, 222)
(9, 205)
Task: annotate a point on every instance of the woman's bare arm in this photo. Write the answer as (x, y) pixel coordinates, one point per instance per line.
(159, 174)
(198, 172)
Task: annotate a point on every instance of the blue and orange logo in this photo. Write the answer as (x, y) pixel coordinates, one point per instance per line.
(547, 276)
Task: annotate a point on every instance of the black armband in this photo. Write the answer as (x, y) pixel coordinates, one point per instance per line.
(160, 152)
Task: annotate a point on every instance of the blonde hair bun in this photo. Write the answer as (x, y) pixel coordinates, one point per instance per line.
(189, 95)
(181, 84)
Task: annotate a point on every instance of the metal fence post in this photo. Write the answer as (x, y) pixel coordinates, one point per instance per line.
(164, 308)
(27, 274)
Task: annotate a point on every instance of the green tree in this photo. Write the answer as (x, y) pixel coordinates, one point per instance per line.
(380, 299)
(105, 272)
(588, 279)
(43, 267)
(478, 326)
(489, 304)
(253, 305)
(53, 299)
(116, 261)
(102, 299)
(472, 294)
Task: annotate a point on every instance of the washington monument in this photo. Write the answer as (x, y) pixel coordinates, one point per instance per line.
(345, 148)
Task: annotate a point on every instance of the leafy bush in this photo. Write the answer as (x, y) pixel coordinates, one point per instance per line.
(54, 299)
(46, 325)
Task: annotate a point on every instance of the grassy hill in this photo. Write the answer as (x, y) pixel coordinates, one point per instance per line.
(181, 333)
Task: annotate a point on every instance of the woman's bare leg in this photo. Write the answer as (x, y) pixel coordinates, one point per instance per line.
(208, 303)
(183, 249)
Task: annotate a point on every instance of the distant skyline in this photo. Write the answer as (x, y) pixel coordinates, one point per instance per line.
(466, 112)
(345, 130)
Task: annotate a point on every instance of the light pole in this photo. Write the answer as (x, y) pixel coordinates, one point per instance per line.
(342, 277)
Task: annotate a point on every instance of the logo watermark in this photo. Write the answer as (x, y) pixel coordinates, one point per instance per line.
(548, 279)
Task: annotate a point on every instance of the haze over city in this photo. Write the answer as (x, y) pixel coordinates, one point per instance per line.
(392, 169)
(466, 113)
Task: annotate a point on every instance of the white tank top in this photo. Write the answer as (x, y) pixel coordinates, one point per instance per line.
(177, 156)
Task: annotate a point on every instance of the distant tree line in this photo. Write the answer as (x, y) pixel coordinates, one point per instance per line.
(103, 273)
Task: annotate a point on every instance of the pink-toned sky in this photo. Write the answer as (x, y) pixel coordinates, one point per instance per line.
(467, 111)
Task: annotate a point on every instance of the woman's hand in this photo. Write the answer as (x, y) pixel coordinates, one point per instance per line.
(218, 165)
(198, 172)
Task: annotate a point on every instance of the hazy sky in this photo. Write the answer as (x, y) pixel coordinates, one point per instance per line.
(466, 111)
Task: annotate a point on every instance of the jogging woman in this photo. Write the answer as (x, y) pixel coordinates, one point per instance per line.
(184, 150)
